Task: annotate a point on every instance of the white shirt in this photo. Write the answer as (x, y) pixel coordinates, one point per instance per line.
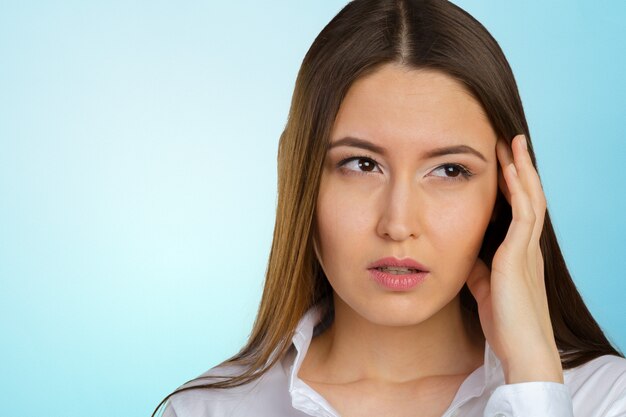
(594, 389)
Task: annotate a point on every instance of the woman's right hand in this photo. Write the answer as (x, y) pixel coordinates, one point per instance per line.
(512, 301)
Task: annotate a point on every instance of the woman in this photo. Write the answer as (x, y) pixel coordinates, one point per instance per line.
(414, 268)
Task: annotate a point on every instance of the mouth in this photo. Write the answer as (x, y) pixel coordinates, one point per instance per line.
(398, 271)
(392, 265)
(398, 275)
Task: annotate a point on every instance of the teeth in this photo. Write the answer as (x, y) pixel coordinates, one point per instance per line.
(397, 270)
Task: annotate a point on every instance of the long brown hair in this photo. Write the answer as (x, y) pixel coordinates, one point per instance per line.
(365, 34)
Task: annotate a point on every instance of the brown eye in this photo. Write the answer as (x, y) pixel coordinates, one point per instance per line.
(452, 171)
(359, 165)
(366, 164)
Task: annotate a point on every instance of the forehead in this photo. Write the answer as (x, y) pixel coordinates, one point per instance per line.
(396, 103)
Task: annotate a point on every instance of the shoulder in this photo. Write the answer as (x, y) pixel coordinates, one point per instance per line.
(266, 396)
(608, 370)
(598, 386)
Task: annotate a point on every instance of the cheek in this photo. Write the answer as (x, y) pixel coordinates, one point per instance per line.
(458, 224)
(344, 216)
(342, 213)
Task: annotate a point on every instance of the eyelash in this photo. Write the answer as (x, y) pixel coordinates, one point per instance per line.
(465, 173)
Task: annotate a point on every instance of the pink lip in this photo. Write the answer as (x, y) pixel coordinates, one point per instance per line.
(403, 282)
(400, 263)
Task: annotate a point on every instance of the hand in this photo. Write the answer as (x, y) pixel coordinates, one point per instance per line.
(512, 301)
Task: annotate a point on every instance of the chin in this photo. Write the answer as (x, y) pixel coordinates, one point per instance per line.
(396, 313)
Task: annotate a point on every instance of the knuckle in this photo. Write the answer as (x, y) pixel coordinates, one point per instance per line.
(527, 214)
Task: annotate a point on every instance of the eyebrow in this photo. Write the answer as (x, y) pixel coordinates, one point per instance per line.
(432, 153)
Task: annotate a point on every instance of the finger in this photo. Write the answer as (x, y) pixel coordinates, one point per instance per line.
(540, 267)
(532, 184)
(523, 221)
(519, 156)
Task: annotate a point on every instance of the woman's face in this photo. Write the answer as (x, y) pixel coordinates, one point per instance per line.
(419, 180)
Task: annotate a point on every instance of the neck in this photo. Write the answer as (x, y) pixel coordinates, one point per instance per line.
(354, 349)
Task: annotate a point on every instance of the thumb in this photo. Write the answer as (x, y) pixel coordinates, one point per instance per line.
(479, 281)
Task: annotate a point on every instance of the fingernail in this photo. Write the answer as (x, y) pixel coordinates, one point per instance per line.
(524, 144)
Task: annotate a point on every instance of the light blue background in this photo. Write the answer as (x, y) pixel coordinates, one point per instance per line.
(138, 176)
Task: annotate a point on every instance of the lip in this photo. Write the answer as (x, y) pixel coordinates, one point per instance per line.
(398, 282)
(399, 263)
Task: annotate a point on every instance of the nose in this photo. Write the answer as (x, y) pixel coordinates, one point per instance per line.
(399, 215)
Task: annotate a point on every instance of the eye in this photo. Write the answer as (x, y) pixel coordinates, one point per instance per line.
(454, 172)
(359, 165)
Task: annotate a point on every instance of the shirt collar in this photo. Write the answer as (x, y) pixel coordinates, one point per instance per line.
(304, 398)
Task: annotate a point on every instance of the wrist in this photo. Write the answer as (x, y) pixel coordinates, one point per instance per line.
(546, 368)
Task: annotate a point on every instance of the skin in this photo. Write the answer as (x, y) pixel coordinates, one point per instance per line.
(401, 202)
